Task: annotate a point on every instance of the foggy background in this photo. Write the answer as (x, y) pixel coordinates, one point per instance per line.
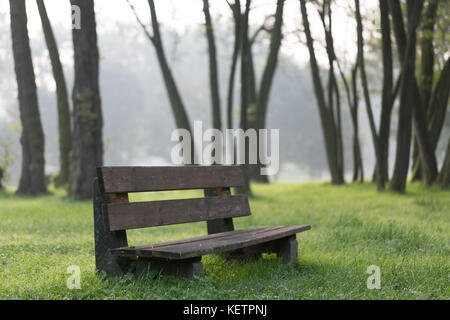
(138, 120)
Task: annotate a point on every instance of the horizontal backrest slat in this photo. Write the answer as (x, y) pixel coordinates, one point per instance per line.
(140, 179)
(124, 216)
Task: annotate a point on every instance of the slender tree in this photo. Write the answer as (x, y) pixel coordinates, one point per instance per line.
(245, 52)
(326, 116)
(236, 9)
(358, 167)
(263, 95)
(87, 114)
(425, 80)
(64, 123)
(334, 99)
(213, 69)
(387, 93)
(423, 140)
(407, 100)
(365, 86)
(176, 102)
(32, 180)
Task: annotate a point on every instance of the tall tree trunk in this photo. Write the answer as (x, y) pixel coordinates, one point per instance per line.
(262, 98)
(333, 89)
(181, 117)
(213, 70)
(270, 66)
(176, 103)
(352, 98)
(244, 90)
(407, 100)
(387, 93)
(64, 123)
(358, 163)
(380, 181)
(328, 126)
(32, 180)
(87, 114)
(236, 8)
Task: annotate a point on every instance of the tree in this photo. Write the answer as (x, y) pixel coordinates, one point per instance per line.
(32, 180)
(333, 147)
(176, 102)
(236, 9)
(87, 114)
(408, 86)
(178, 108)
(261, 99)
(64, 123)
(434, 102)
(213, 69)
(361, 62)
(245, 56)
(387, 100)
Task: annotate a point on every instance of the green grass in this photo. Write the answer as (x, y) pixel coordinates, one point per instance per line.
(353, 227)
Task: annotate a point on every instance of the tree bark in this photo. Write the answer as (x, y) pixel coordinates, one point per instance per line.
(213, 69)
(32, 180)
(87, 114)
(64, 121)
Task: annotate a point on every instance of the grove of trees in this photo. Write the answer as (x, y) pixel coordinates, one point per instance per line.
(412, 43)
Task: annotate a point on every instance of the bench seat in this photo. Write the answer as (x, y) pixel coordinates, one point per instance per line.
(210, 244)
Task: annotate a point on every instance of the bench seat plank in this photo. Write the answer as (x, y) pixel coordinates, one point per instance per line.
(214, 243)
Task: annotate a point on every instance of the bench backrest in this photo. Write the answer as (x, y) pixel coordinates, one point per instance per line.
(119, 214)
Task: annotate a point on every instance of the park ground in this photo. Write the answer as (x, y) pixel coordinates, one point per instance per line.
(353, 227)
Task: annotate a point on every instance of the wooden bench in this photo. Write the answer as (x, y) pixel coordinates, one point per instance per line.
(114, 214)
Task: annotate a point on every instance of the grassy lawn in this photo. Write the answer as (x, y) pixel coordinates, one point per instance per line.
(353, 227)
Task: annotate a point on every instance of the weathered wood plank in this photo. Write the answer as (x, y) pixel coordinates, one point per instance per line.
(124, 216)
(210, 244)
(194, 239)
(140, 179)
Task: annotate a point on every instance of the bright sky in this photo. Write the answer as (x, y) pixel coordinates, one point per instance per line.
(178, 14)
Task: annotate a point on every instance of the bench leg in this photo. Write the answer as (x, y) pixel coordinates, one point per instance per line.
(186, 268)
(288, 250)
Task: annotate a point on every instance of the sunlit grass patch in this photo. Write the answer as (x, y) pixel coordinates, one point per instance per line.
(353, 227)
